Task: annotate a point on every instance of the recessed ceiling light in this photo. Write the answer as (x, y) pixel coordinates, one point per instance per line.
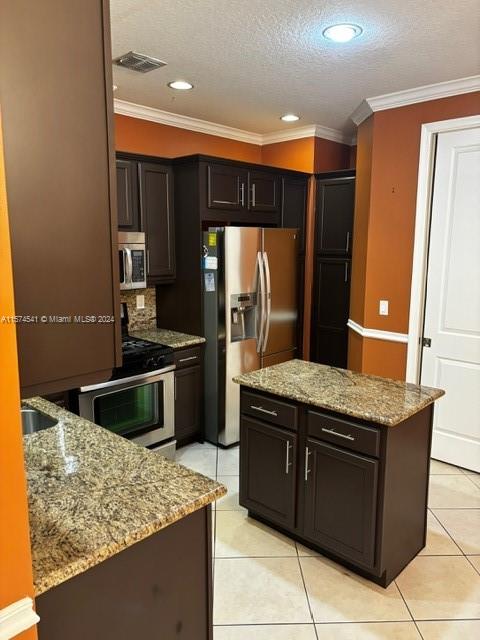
(342, 32)
(290, 117)
(180, 85)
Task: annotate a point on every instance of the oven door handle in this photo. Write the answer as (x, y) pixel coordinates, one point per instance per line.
(149, 377)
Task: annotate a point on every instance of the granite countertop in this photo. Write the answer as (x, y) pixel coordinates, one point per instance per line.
(92, 494)
(371, 398)
(171, 338)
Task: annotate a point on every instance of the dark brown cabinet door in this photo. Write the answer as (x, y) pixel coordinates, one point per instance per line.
(188, 383)
(268, 471)
(294, 206)
(335, 205)
(156, 206)
(60, 168)
(263, 191)
(226, 187)
(331, 301)
(340, 501)
(127, 196)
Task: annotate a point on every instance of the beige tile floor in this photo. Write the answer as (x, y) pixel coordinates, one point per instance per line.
(267, 587)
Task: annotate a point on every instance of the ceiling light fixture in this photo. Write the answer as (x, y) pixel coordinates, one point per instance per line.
(290, 117)
(342, 32)
(180, 85)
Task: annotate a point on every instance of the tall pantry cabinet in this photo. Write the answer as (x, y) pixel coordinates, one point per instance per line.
(335, 201)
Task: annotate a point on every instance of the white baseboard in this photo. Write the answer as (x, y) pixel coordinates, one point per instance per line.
(377, 334)
(17, 617)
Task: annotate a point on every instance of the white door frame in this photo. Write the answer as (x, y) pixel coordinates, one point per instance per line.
(426, 167)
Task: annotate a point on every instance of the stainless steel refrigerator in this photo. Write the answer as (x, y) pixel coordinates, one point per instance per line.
(250, 315)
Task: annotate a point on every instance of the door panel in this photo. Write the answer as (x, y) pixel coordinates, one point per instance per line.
(127, 196)
(340, 501)
(294, 207)
(452, 312)
(188, 384)
(226, 187)
(268, 470)
(280, 246)
(264, 192)
(330, 312)
(335, 206)
(156, 203)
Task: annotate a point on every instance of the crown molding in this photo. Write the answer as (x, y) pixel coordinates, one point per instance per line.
(377, 334)
(17, 617)
(413, 96)
(125, 108)
(142, 112)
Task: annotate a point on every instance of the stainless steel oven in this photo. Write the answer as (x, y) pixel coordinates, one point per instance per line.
(132, 260)
(139, 407)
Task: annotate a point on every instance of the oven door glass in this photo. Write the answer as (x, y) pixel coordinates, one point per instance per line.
(131, 410)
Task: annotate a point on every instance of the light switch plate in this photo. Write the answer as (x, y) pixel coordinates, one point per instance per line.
(383, 308)
(141, 302)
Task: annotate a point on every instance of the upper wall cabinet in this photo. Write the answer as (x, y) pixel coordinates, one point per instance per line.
(127, 196)
(60, 170)
(226, 187)
(145, 203)
(335, 206)
(264, 191)
(156, 207)
(234, 188)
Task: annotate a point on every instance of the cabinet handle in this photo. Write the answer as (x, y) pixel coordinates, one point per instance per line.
(242, 194)
(340, 435)
(270, 413)
(346, 271)
(347, 242)
(187, 359)
(307, 470)
(253, 195)
(287, 461)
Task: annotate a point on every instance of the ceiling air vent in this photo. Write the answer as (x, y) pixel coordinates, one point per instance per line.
(139, 62)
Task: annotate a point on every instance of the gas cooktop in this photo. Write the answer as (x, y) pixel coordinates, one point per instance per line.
(142, 356)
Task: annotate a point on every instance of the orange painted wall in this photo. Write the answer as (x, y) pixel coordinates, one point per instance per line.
(330, 156)
(15, 558)
(151, 138)
(384, 227)
(298, 155)
(306, 154)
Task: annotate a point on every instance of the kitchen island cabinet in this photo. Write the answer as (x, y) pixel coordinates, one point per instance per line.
(121, 536)
(338, 460)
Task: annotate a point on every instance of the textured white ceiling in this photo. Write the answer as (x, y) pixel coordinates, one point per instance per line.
(253, 60)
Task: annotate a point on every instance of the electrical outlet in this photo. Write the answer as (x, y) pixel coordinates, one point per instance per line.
(141, 302)
(383, 308)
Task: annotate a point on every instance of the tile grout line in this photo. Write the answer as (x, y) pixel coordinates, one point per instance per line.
(408, 609)
(448, 534)
(306, 591)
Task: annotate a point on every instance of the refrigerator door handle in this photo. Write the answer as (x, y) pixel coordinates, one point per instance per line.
(268, 299)
(261, 301)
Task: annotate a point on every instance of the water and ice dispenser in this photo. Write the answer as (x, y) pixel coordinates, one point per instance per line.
(243, 309)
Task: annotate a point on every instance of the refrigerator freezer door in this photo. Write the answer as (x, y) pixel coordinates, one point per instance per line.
(241, 246)
(280, 263)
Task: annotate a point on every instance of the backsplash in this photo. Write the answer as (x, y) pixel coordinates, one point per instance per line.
(140, 318)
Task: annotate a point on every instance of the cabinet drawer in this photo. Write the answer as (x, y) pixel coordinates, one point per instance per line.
(344, 433)
(274, 411)
(187, 357)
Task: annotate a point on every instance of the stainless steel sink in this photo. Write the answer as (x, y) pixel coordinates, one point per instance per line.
(33, 421)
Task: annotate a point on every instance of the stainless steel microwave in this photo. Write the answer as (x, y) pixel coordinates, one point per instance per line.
(132, 257)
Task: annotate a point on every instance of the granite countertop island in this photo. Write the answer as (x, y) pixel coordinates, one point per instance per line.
(380, 400)
(173, 339)
(92, 494)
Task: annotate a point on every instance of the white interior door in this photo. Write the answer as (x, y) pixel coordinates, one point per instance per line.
(452, 311)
